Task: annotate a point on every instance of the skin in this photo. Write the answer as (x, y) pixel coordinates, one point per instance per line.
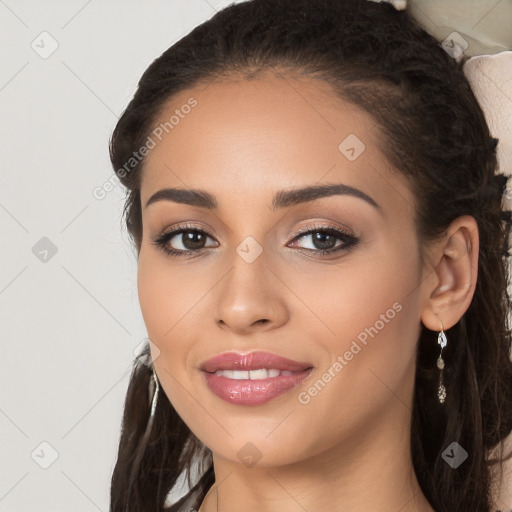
(348, 448)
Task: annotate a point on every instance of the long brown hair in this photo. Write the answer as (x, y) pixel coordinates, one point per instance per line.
(435, 134)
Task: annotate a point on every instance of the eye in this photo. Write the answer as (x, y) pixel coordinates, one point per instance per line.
(187, 239)
(325, 239)
(182, 240)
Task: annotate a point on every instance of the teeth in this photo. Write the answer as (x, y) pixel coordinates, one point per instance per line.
(259, 374)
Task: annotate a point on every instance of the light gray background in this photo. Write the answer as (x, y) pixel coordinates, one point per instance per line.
(70, 321)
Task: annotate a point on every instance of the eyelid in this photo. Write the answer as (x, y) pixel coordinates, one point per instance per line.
(184, 226)
(318, 225)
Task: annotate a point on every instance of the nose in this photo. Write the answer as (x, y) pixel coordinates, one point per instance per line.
(251, 298)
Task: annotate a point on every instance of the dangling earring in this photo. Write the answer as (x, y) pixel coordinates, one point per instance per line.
(153, 390)
(441, 390)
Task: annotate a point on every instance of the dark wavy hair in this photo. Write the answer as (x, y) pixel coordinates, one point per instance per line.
(435, 134)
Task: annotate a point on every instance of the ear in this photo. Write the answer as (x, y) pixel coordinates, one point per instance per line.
(450, 285)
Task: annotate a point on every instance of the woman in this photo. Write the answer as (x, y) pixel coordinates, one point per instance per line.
(312, 194)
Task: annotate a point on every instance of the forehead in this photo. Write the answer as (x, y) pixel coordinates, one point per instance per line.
(271, 132)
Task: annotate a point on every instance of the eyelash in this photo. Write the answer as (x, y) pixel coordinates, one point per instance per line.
(161, 240)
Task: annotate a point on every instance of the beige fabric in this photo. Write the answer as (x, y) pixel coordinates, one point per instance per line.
(484, 26)
(490, 77)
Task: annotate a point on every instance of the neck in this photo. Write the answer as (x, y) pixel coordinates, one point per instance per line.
(369, 470)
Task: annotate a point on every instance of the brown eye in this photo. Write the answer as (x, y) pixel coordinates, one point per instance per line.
(325, 240)
(190, 240)
(182, 240)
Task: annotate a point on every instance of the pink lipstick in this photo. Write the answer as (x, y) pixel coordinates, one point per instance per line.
(253, 378)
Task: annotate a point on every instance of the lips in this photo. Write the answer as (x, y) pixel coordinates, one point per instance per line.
(252, 361)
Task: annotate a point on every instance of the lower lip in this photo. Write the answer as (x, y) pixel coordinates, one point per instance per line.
(253, 392)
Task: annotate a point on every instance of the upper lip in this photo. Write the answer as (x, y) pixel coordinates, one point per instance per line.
(252, 361)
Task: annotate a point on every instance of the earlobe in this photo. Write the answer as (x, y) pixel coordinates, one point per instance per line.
(450, 292)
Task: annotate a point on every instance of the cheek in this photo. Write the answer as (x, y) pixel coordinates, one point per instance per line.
(168, 296)
(338, 303)
(367, 306)
(173, 301)
(153, 299)
(166, 300)
(378, 325)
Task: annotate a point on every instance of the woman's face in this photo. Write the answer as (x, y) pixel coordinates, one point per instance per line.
(251, 283)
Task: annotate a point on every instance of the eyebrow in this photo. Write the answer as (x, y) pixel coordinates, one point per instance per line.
(282, 199)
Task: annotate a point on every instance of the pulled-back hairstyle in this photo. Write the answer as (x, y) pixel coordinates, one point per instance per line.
(433, 131)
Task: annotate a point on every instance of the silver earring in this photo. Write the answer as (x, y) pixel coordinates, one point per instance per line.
(441, 390)
(153, 390)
